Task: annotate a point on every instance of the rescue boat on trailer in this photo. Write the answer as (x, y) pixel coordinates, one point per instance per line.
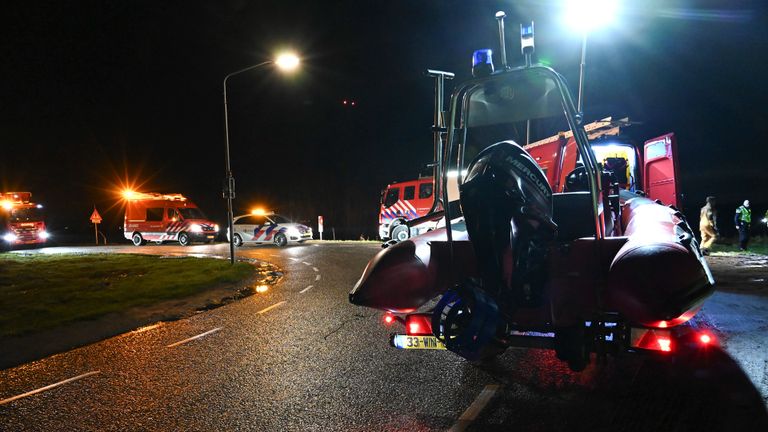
(587, 267)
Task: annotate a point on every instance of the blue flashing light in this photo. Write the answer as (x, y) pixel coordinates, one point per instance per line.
(482, 63)
(482, 57)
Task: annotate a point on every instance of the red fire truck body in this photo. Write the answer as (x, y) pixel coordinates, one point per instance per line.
(21, 220)
(165, 217)
(650, 168)
(401, 202)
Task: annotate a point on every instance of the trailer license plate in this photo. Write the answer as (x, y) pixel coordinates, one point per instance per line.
(418, 342)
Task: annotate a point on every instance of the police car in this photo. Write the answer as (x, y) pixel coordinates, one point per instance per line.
(261, 228)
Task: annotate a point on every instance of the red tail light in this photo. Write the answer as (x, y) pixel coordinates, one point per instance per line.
(706, 339)
(665, 344)
(418, 324)
(651, 339)
(389, 319)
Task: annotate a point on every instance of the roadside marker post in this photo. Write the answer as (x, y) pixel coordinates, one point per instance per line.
(320, 226)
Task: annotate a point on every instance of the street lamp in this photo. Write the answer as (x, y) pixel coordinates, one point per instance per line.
(285, 62)
(584, 16)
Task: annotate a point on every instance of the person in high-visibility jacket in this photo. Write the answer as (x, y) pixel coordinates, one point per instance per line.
(708, 225)
(743, 221)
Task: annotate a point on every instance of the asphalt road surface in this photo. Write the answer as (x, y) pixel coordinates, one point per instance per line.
(300, 357)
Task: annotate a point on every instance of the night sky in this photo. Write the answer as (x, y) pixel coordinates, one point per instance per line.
(97, 94)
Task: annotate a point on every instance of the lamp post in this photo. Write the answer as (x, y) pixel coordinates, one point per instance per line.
(286, 62)
(581, 71)
(583, 16)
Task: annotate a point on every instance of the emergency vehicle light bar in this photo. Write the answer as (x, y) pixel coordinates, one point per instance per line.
(132, 195)
(16, 197)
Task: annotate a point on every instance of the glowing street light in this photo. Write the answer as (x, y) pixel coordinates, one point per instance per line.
(285, 62)
(585, 16)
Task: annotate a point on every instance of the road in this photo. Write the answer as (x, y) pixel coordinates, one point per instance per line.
(300, 357)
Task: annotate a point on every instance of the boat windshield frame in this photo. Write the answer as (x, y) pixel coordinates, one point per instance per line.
(461, 118)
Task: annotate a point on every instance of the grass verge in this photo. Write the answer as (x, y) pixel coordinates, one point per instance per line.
(757, 245)
(41, 292)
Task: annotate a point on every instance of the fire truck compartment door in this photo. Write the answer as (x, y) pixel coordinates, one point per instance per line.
(660, 170)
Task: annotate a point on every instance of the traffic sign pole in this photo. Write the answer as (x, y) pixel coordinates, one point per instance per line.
(96, 220)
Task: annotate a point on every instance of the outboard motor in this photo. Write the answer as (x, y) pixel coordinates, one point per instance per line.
(507, 205)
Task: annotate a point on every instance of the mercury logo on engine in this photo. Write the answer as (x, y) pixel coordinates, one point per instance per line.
(532, 176)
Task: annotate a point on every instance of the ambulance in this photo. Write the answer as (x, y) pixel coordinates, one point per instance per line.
(165, 217)
(21, 220)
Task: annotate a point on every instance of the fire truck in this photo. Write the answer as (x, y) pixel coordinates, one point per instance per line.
(401, 202)
(21, 220)
(165, 217)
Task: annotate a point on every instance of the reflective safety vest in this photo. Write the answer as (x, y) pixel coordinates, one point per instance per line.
(744, 214)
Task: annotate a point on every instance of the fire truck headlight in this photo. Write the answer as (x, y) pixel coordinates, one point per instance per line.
(216, 227)
(293, 232)
(43, 235)
(10, 237)
(196, 228)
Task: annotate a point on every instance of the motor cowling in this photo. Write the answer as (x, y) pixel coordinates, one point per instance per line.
(507, 205)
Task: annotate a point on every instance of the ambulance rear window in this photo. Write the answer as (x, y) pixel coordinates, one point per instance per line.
(155, 214)
(191, 213)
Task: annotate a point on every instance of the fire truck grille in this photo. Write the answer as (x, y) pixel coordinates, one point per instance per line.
(26, 234)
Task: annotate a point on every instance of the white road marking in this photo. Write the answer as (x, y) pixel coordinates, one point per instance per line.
(294, 259)
(271, 307)
(317, 278)
(305, 289)
(48, 387)
(477, 406)
(306, 263)
(275, 256)
(193, 337)
(315, 269)
(146, 328)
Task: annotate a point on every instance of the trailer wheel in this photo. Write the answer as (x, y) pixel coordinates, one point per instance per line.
(400, 233)
(281, 240)
(184, 239)
(238, 240)
(137, 240)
